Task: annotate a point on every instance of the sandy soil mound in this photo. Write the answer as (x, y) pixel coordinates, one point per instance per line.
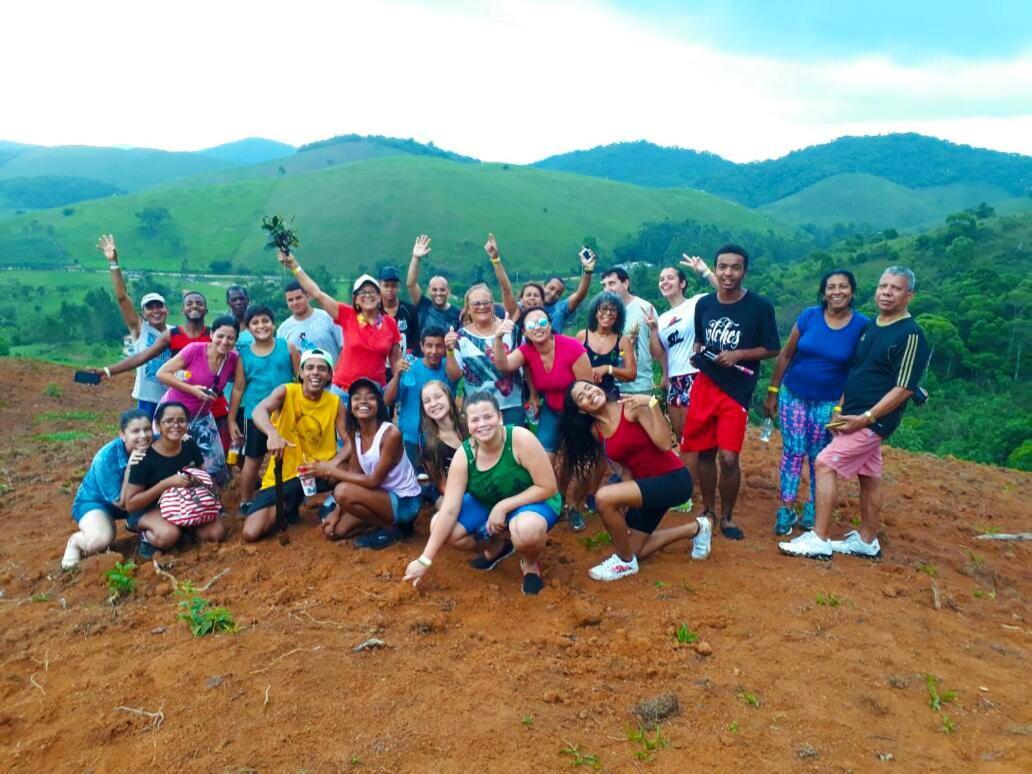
(797, 665)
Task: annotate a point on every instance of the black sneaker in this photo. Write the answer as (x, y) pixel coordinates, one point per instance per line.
(481, 562)
(145, 550)
(378, 539)
(327, 508)
(576, 519)
(532, 584)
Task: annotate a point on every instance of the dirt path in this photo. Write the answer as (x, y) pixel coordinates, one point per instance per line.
(474, 677)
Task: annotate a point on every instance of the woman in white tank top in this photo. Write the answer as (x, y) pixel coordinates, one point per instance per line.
(378, 488)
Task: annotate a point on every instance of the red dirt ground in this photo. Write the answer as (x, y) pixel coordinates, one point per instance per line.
(474, 677)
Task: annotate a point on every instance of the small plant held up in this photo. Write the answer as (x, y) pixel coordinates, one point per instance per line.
(280, 235)
(120, 580)
(200, 616)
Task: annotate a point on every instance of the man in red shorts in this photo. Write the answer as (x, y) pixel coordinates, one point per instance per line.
(890, 360)
(734, 331)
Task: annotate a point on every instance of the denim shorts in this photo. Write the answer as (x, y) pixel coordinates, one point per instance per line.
(473, 515)
(405, 509)
(548, 428)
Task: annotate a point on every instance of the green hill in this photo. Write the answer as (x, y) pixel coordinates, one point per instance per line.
(354, 215)
(251, 150)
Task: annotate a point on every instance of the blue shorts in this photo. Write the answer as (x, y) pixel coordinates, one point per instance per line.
(405, 509)
(473, 515)
(80, 509)
(548, 428)
(148, 406)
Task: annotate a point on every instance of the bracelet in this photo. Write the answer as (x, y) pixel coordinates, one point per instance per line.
(424, 561)
(837, 410)
(107, 372)
(870, 417)
(296, 269)
(114, 266)
(773, 389)
(449, 352)
(589, 271)
(610, 369)
(653, 401)
(496, 260)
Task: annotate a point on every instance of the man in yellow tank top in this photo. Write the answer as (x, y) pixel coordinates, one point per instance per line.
(302, 421)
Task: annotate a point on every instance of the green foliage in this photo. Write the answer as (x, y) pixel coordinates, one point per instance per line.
(579, 757)
(280, 235)
(827, 600)
(200, 617)
(937, 698)
(44, 596)
(42, 191)
(648, 744)
(5, 346)
(596, 541)
(52, 390)
(406, 145)
(120, 580)
(685, 636)
(1020, 458)
(527, 721)
(750, 698)
(152, 219)
(928, 569)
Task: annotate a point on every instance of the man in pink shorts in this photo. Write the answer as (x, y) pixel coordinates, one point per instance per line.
(886, 370)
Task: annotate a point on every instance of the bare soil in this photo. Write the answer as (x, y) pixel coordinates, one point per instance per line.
(475, 677)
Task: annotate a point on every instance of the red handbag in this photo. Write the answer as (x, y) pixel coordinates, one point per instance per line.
(191, 506)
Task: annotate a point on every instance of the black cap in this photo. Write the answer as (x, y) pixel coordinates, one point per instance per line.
(364, 381)
(389, 273)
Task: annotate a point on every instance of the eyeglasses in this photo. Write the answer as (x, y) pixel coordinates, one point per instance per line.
(480, 304)
(173, 421)
(367, 293)
(542, 323)
(608, 311)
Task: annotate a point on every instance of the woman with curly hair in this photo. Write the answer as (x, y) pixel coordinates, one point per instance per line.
(610, 352)
(633, 433)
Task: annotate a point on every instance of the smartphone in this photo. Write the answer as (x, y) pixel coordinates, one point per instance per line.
(87, 377)
(585, 254)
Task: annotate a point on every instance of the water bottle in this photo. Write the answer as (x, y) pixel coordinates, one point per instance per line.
(766, 430)
(182, 375)
(408, 378)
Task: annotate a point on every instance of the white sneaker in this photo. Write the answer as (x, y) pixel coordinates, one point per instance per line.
(808, 545)
(72, 556)
(614, 568)
(702, 541)
(854, 545)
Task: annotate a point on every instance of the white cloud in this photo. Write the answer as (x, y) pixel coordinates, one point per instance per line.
(508, 80)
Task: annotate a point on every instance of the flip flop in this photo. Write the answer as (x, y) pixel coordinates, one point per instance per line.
(379, 539)
(731, 533)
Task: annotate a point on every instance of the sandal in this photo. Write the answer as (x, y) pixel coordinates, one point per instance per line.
(378, 539)
(731, 533)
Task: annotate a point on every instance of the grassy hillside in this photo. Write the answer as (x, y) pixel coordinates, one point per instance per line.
(251, 150)
(867, 200)
(353, 216)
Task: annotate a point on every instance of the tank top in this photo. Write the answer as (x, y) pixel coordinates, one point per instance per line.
(632, 447)
(264, 373)
(503, 479)
(402, 477)
(309, 425)
(178, 339)
(612, 357)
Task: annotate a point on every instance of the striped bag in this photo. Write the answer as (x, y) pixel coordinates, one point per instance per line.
(191, 506)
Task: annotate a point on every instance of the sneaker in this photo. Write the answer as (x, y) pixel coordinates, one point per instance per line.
(532, 584)
(854, 545)
(72, 556)
(576, 520)
(808, 545)
(785, 520)
(685, 507)
(245, 508)
(809, 516)
(482, 563)
(378, 539)
(702, 541)
(613, 569)
(327, 508)
(145, 550)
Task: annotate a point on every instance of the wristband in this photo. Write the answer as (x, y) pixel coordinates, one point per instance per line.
(870, 417)
(773, 389)
(296, 269)
(107, 372)
(496, 260)
(589, 271)
(837, 410)
(653, 401)
(114, 266)
(424, 561)
(610, 369)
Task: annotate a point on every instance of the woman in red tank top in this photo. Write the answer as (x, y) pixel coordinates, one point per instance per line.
(634, 433)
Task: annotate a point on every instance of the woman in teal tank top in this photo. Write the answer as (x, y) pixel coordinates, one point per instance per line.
(263, 365)
(501, 491)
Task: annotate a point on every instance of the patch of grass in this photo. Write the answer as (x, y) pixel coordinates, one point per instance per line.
(596, 541)
(45, 596)
(685, 636)
(948, 726)
(827, 600)
(51, 390)
(5, 488)
(989, 530)
(579, 757)
(356, 761)
(978, 594)
(649, 745)
(936, 698)
(120, 580)
(66, 416)
(200, 617)
(928, 569)
(855, 521)
(62, 436)
(750, 698)
(527, 721)
(659, 584)
(732, 726)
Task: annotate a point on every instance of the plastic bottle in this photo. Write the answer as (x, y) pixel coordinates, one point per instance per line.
(408, 378)
(182, 375)
(766, 430)
(233, 455)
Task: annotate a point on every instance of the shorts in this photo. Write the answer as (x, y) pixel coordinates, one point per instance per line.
(473, 515)
(149, 406)
(80, 509)
(514, 415)
(658, 495)
(854, 454)
(714, 419)
(405, 509)
(254, 440)
(293, 496)
(548, 428)
(680, 389)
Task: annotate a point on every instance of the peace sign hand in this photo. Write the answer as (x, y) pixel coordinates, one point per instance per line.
(106, 244)
(695, 263)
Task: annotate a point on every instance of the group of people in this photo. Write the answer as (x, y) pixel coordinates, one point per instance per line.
(493, 420)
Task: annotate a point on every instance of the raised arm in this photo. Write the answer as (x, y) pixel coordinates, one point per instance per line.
(131, 362)
(326, 301)
(506, 362)
(698, 265)
(645, 410)
(106, 245)
(508, 298)
(587, 259)
(420, 250)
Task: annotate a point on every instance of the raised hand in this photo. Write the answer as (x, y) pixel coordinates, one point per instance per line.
(106, 244)
(650, 318)
(136, 455)
(451, 338)
(505, 327)
(491, 247)
(587, 259)
(287, 259)
(421, 249)
(695, 263)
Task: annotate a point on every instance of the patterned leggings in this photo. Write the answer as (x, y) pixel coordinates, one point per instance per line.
(803, 435)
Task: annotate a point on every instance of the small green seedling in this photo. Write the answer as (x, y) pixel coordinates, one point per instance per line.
(280, 235)
(581, 758)
(120, 580)
(42, 597)
(596, 541)
(750, 698)
(198, 614)
(989, 530)
(527, 721)
(649, 745)
(827, 600)
(978, 594)
(855, 521)
(659, 584)
(936, 698)
(948, 726)
(686, 636)
(356, 761)
(732, 726)
(928, 569)
(51, 390)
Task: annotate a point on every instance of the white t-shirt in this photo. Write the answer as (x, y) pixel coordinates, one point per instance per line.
(316, 330)
(147, 387)
(677, 335)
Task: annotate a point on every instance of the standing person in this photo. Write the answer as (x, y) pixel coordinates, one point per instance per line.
(160, 470)
(406, 386)
(371, 338)
(432, 309)
(403, 312)
(237, 301)
(562, 309)
(147, 390)
(616, 280)
(378, 489)
(634, 433)
(736, 328)
(263, 365)
(442, 431)
(470, 355)
(807, 383)
(890, 361)
(503, 481)
(100, 498)
(301, 422)
(553, 362)
(610, 352)
(196, 378)
(308, 327)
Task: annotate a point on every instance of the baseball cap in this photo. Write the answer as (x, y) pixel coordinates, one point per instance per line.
(151, 297)
(362, 281)
(308, 354)
(364, 381)
(389, 273)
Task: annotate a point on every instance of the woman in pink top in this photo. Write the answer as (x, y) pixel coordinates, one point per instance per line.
(554, 362)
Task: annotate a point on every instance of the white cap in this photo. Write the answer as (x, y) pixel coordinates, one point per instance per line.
(362, 281)
(149, 297)
(308, 354)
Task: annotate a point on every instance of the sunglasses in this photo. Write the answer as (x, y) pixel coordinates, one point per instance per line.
(541, 323)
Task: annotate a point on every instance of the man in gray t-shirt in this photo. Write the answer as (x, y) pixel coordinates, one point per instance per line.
(615, 280)
(309, 328)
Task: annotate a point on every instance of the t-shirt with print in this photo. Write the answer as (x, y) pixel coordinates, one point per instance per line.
(317, 331)
(430, 316)
(147, 387)
(638, 331)
(367, 345)
(554, 382)
(677, 335)
(156, 466)
(475, 356)
(410, 388)
(887, 356)
(820, 365)
(408, 326)
(745, 324)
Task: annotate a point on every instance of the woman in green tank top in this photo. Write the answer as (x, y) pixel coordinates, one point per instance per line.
(501, 491)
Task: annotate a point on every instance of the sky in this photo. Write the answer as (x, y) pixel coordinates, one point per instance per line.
(519, 80)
